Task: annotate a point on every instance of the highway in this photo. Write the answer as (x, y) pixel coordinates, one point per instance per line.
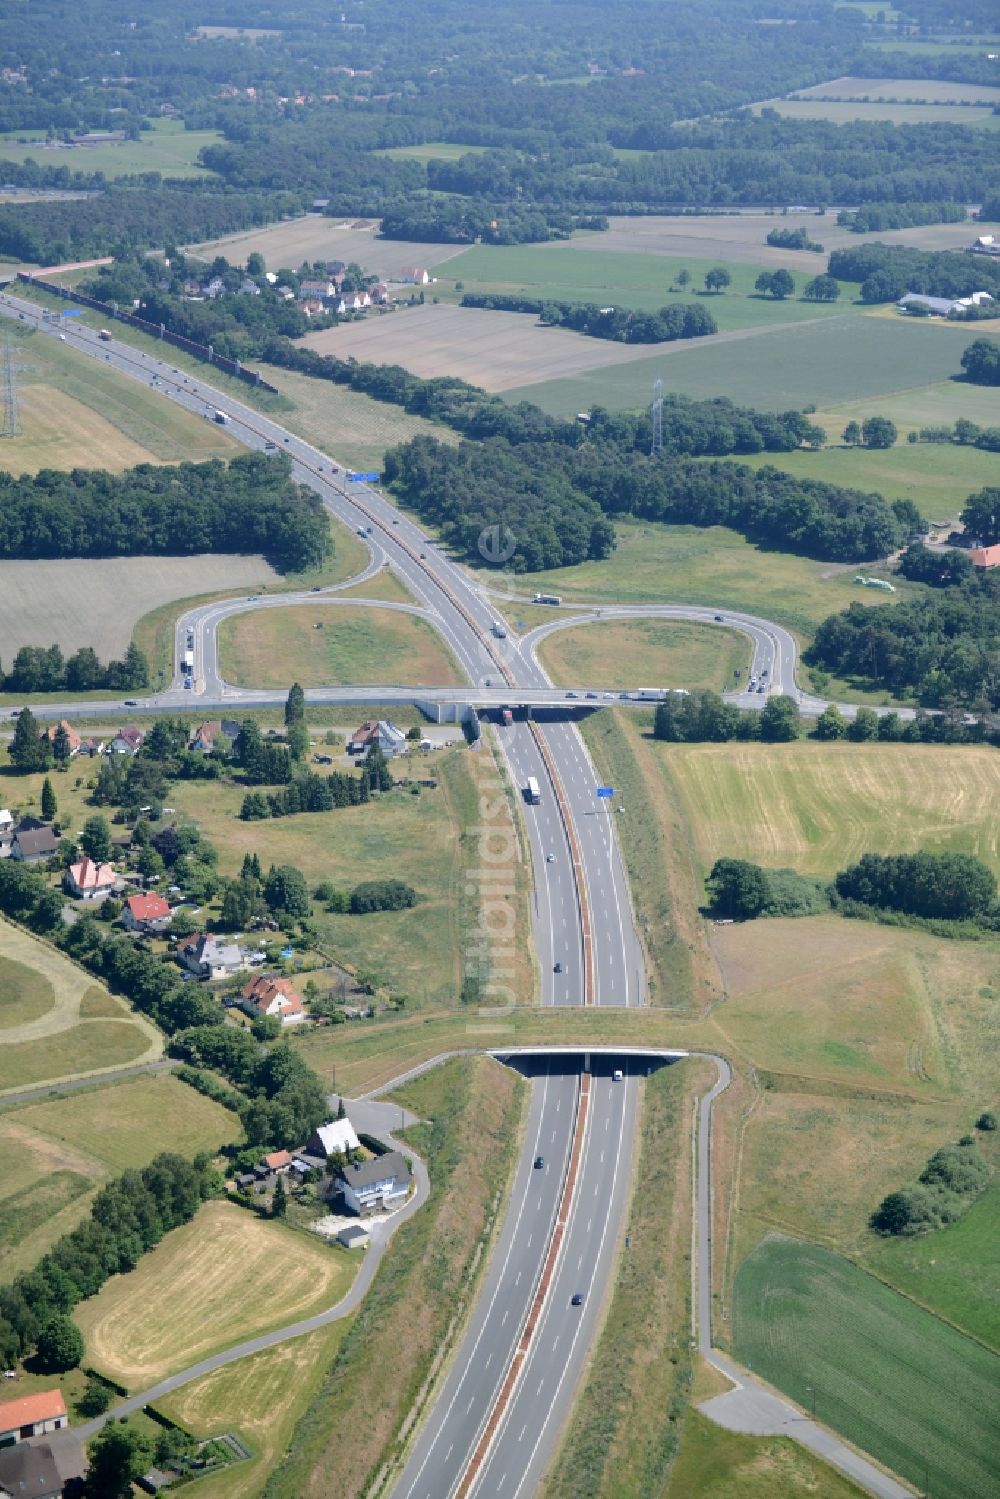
(565, 1224)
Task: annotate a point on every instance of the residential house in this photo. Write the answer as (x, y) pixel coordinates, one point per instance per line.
(210, 958)
(33, 842)
(91, 747)
(986, 244)
(352, 301)
(71, 734)
(334, 267)
(313, 307)
(379, 293)
(146, 913)
(265, 995)
(248, 288)
(316, 288)
(86, 880)
(30, 1470)
(414, 275)
(391, 741)
(285, 293)
(982, 557)
(6, 832)
(32, 1416)
(377, 1186)
(128, 741)
(215, 734)
(214, 288)
(279, 1162)
(331, 1138)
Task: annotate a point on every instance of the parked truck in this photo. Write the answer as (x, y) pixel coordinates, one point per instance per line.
(547, 598)
(104, 334)
(187, 664)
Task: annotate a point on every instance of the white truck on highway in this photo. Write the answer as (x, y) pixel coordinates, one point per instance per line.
(532, 795)
(187, 664)
(547, 598)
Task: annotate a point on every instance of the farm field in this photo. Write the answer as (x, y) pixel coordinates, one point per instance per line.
(495, 350)
(352, 427)
(58, 1152)
(655, 563)
(814, 806)
(261, 1399)
(431, 150)
(899, 1382)
(314, 237)
(191, 1295)
(333, 644)
(903, 90)
(589, 272)
(53, 1039)
(724, 238)
(888, 113)
(98, 601)
(825, 362)
(167, 148)
(955, 1271)
(118, 416)
(660, 652)
(717, 1464)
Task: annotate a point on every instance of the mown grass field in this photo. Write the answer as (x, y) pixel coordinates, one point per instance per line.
(314, 237)
(51, 1040)
(889, 113)
(260, 1398)
(623, 1431)
(223, 1277)
(717, 1464)
(955, 1271)
(658, 652)
(166, 148)
(58, 431)
(818, 807)
(470, 1145)
(59, 1151)
(590, 273)
(328, 645)
(900, 1383)
(431, 150)
(710, 565)
(824, 362)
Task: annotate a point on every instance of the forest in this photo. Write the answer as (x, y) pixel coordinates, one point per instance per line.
(45, 669)
(251, 505)
(887, 272)
(559, 501)
(621, 324)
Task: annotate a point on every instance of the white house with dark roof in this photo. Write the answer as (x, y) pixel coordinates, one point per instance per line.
(377, 1186)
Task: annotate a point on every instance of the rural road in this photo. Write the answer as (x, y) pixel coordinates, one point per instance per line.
(16, 1096)
(583, 911)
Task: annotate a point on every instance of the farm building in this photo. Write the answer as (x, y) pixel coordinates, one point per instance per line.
(941, 306)
(32, 1416)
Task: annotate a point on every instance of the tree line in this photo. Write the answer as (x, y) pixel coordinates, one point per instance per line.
(128, 1217)
(873, 218)
(250, 504)
(888, 272)
(946, 1188)
(45, 669)
(927, 887)
(621, 324)
(281, 1099)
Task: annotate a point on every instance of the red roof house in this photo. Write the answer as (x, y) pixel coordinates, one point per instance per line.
(32, 1416)
(985, 557)
(272, 996)
(86, 880)
(145, 913)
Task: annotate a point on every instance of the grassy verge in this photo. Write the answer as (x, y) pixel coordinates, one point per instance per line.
(423, 1287)
(623, 1433)
(899, 1382)
(680, 970)
(718, 1464)
(660, 652)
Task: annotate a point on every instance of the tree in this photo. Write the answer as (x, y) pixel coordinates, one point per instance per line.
(266, 1028)
(295, 704)
(821, 289)
(95, 1399)
(28, 749)
(987, 1121)
(831, 723)
(118, 1455)
(717, 279)
(737, 889)
(286, 891)
(863, 726)
(851, 435)
(298, 739)
(256, 265)
(683, 277)
(980, 517)
(779, 722)
(49, 804)
(779, 284)
(981, 361)
(61, 751)
(95, 840)
(279, 1201)
(60, 1344)
(878, 432)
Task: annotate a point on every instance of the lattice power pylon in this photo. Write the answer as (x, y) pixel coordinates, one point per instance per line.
(11, 413)
(656, 410)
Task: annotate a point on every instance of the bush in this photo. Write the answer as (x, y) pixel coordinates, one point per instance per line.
(987, 1121)
(381, 895)
(60, 1344)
